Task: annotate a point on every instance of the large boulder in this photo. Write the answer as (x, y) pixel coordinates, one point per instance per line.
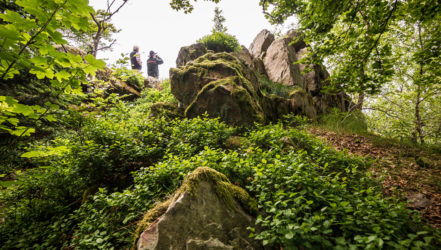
(219, 84)
(190, 53)
(108, 83)
(255, 64)
(152, 82)
(261, 43)
(279, 64)
(207, 212)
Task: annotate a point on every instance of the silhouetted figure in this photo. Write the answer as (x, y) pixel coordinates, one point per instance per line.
(152, 64)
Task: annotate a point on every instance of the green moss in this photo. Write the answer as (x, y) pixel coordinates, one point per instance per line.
(238, 93)
(149, 218)
(225, 190)
(297, 91)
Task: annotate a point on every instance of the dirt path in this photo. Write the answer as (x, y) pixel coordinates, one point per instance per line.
(408, 172)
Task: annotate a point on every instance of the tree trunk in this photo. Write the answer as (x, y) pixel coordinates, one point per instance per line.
(418, 122)
(360, 101)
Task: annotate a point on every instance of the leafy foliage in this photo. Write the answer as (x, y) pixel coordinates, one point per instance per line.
(354, 122)
(220, 42)
(28, 37)
(274, 88)
(102, 177)
(218, 21)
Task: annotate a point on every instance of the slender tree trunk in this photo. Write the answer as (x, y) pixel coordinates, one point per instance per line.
(418, 122)
(360, 101)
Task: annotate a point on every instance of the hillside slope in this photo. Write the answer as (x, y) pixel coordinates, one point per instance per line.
(408, 172)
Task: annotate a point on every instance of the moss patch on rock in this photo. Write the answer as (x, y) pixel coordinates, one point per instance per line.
(225, 190)
(228, 193)
(169, 110)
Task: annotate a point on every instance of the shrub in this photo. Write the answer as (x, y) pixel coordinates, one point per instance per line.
(131, 77)
(352, 122)
(274, 88)
(221, 42)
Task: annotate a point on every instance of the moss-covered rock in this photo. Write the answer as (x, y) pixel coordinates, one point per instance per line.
(190, 53)
(170, 110)
(206, 211)
(242, 89)
(220, 85)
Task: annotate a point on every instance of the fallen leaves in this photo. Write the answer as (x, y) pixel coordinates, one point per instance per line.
(397, 168)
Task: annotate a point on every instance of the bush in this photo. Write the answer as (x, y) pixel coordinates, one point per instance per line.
(131, 77)
(221, 42)
(99, 179)
(354, 121)
(274, 88)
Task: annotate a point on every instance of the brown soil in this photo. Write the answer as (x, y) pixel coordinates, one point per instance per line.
(404, 173)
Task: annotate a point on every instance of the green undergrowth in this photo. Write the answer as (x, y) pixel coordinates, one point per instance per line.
(95, 182)
(355, 123)
(274, 88)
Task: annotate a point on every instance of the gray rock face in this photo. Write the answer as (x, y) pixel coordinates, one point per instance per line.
(256, 64)
(261, 43)
(296, 38)
(190, 53)
(200, 219)
(279, 66)
(152, 82)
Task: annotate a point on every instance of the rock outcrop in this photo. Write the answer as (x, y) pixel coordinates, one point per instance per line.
(245, 86)
(152, 82)
(207, 212)
(109, 83)
(190, 53)
(261, 43)
(220, 85)
(279, 64)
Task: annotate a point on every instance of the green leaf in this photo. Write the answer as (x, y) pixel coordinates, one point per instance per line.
(61, 75)
(94, 62)
(24, 109)
(289, 235)
(50, 118)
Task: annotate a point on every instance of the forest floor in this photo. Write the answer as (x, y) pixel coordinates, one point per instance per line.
(411, 173)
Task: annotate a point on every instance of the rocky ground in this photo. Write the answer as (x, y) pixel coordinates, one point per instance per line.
(411, 173)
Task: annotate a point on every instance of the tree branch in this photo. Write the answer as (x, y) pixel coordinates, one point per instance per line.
(31, 40)
(382, 32)
(383, 111)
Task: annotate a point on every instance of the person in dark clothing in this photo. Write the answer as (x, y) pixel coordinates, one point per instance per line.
(135, 58)
(152, 64)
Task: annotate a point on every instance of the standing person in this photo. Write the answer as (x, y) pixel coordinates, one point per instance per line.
(135, 59)
(152, 64)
